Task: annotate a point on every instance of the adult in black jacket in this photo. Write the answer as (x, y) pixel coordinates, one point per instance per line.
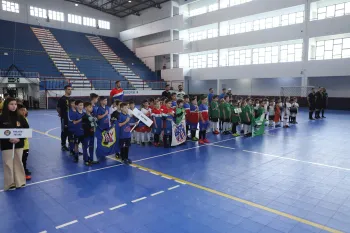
(318, 103)
(166, 93)
(14, 175)
(311, 102)
(62, 109)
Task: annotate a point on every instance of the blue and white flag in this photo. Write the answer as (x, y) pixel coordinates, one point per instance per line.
(107, 143)
(179, 133)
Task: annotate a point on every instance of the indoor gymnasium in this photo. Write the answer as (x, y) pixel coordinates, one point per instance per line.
(187, 116)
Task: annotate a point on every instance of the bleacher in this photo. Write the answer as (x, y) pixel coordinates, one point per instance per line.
(85, 56)
(129, 57)
(24, 50)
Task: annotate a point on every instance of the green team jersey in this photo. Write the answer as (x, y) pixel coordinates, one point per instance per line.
(221, 109)
(235, 117)
(226, 111)
(180, 115)
(259, 112)
(214, 110)
(244, 113)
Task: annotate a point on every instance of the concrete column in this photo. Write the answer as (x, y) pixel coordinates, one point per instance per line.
(171, 60)
(218, 87)
(304, 71)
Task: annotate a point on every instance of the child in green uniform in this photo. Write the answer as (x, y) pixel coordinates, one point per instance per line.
(247, 116)
(226, 115)
(235, 118)
(214, 114)
(221, 114)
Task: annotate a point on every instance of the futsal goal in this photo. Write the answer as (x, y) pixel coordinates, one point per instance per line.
(296, 91)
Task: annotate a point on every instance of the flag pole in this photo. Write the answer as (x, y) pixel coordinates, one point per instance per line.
(134, 126)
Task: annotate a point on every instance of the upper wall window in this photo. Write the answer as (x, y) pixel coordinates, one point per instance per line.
(10, 6)
(91, 22)
(331, 11)
(76, 19)
(55, 15)
(38, 12)
(104, 24)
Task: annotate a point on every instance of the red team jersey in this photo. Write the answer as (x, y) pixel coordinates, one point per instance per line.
(203, 109)
(194, 114)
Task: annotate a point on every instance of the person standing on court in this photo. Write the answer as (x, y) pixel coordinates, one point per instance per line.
(318, 103)
(180, 94)
(167, 93)
(324, 101)
(14, 175)
(210, 95)
(117, 93)
(311, 103)
(62, 109)
(223, 94)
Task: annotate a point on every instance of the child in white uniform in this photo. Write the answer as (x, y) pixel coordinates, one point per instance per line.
(287, 107)
(294, 111)
(271, 111)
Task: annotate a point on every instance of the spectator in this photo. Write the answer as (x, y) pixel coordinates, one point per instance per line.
(210, 95)
(167, 93)
(223, 94)
(180, 93)
(62, 109)
(117, 93)
(14, 175)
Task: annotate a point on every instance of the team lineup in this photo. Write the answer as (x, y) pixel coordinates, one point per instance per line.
(169, 120)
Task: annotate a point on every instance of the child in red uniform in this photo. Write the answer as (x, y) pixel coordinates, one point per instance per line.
(157, 114)
(142, 129)
(168, 116)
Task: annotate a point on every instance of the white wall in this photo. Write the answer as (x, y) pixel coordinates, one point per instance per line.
(165, 24)
(148, 16)
(117, 24)
(156, 38)
(160, 49)
(173, 74)
(150, 62)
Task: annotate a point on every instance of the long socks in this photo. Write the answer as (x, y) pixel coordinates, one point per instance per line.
(202, 134)
(156, 138)
(193, 133)
(322, 111)
(124, 153)
(310, 115)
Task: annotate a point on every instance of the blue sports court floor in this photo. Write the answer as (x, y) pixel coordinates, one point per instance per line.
(289, 180)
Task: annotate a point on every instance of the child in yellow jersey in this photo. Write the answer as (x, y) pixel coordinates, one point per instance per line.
(22, 110)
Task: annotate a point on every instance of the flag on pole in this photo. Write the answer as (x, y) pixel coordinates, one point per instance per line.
(106, 141)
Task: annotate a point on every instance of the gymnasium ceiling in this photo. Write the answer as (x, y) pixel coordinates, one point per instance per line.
(121, 8)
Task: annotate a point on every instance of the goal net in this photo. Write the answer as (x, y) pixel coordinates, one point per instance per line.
(296, 91)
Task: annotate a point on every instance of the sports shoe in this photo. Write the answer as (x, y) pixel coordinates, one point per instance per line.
(206, 140)
(117, 155)
(80, 153)
(323, 117)
(64, 148)
(216, 132)
(94, 162)
(76, 159)
(28, 177)
(194, 139)
(236, 135)
(156, 144)
(87, 163)
(27, 172)
(143, 143)
(129, 161)
(201, 141)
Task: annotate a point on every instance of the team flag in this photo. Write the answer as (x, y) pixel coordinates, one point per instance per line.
(178, 133)
(107, 141)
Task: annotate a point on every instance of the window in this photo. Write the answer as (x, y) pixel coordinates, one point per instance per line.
(10, 6)
(89, 22)
(239, 57)
(104, 24)
(76, 19)
(212, 33)
(272, 22)
(38, 12)
(55, 15)
(291, 53)
(198, 11)
(213, 7)
(209, 59)
(331, 11)
(332, 49)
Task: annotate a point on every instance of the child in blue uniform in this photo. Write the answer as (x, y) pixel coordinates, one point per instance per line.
(193, 118)
(173, 101)
(78, 128)
(89, 125)
(71, 115)
(168, 116)
(94, 100)
(124, 133)
(103, 114)
(132, 121)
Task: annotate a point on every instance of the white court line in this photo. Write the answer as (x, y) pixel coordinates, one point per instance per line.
(174, 187)
(66, 224)
(93, 215)
(231, 148)
(174, 152)
(117, 207)
(179, 182)
(47, 132)
(140, 199)
(157, 193)
(165, 177)
(154, 173)
(297, 160)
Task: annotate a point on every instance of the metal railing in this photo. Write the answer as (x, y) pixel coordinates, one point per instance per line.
(56, 83)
